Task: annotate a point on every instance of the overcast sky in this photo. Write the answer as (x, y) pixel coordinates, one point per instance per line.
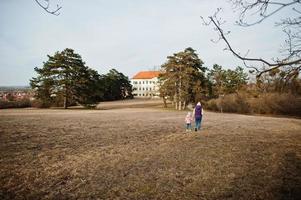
(128, 35)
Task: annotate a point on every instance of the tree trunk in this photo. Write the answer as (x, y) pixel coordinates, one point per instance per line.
(180, 93)
(65, 102)
(66, 98)
(164, 101)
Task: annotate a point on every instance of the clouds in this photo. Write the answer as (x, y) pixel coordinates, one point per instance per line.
(128, 35)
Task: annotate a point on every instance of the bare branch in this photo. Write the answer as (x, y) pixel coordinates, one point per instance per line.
(46, 8)
(298, 11)
(273, 66)
(261, 7)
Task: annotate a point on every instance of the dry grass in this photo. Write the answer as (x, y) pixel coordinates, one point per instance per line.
(144, 153)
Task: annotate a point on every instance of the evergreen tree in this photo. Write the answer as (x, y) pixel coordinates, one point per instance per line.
(65, 76)
(217, 77)
(182, 78)
(235, 79)
(226, 81)
(116, 86)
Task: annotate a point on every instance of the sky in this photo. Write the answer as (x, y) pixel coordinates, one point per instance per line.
(128, 35)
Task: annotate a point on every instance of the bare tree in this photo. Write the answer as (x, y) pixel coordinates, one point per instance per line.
(45, 4)
(258, 11)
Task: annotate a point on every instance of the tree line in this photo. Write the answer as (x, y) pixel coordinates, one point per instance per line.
(65, 80)
(185, 80)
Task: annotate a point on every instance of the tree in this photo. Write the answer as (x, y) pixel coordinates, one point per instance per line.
(89, 88)
(65, 76)
(116, 86)
(217, 77)
(43, 87)
(10, 96)
(226, 81)
(182, 78)
(235, 80)
(260, 10)
(274, 81)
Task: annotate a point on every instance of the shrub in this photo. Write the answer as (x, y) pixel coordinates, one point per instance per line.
(236, 103)
(269, 103)
(212, 105)
(274, 103)
(24, 103)
(40, 104)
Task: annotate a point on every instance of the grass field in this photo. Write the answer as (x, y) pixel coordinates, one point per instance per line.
(145, 153)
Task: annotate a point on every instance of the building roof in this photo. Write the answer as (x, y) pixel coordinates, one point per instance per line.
(146, 75)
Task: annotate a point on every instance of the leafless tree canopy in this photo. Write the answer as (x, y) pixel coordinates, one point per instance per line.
(252, 12)
(45, 4)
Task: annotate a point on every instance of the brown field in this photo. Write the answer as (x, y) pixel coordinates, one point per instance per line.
(145, 153)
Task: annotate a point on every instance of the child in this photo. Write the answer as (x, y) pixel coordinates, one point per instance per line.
(188, 120)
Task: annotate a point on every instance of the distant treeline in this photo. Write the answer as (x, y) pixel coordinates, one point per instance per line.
(14, 88)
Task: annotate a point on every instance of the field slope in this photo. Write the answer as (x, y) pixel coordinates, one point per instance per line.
(144, 153)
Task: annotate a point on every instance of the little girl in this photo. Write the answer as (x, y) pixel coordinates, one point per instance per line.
(188, 120)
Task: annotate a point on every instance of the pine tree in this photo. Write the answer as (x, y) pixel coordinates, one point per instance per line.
(226, 81)
(65, 76)
(116, 86)
(182, 78)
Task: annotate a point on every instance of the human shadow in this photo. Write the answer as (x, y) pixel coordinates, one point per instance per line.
(283, 184)
(291, 177)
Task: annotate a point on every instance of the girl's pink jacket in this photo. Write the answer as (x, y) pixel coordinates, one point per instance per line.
(188, 119)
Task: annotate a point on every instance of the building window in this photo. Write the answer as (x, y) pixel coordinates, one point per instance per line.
(142, 82)
(142, 94)
(146, 82)
(140, 88)
(146, 88)
(139, 82)
(150, 89)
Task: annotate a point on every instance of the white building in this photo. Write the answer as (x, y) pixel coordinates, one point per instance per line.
(145, 84)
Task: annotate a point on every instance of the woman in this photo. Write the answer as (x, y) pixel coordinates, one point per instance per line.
(198, 114)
